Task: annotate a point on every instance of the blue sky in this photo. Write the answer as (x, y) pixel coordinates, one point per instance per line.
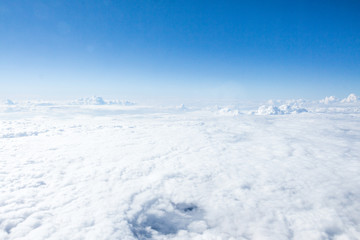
(186, 49)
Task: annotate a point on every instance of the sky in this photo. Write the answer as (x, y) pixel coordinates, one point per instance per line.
(249, 50)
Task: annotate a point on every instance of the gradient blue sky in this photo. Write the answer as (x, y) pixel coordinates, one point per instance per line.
(189, 49)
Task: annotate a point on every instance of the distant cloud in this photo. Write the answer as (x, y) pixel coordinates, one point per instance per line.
(328, 100)
(351, 98)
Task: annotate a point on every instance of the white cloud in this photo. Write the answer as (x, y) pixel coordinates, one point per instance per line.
(156, 173)
(351, 98)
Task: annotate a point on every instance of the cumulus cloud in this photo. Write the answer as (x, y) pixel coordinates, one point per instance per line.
(281, 110)
(227, 111)
(94, 100)
(328, 100)
(350, 99)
